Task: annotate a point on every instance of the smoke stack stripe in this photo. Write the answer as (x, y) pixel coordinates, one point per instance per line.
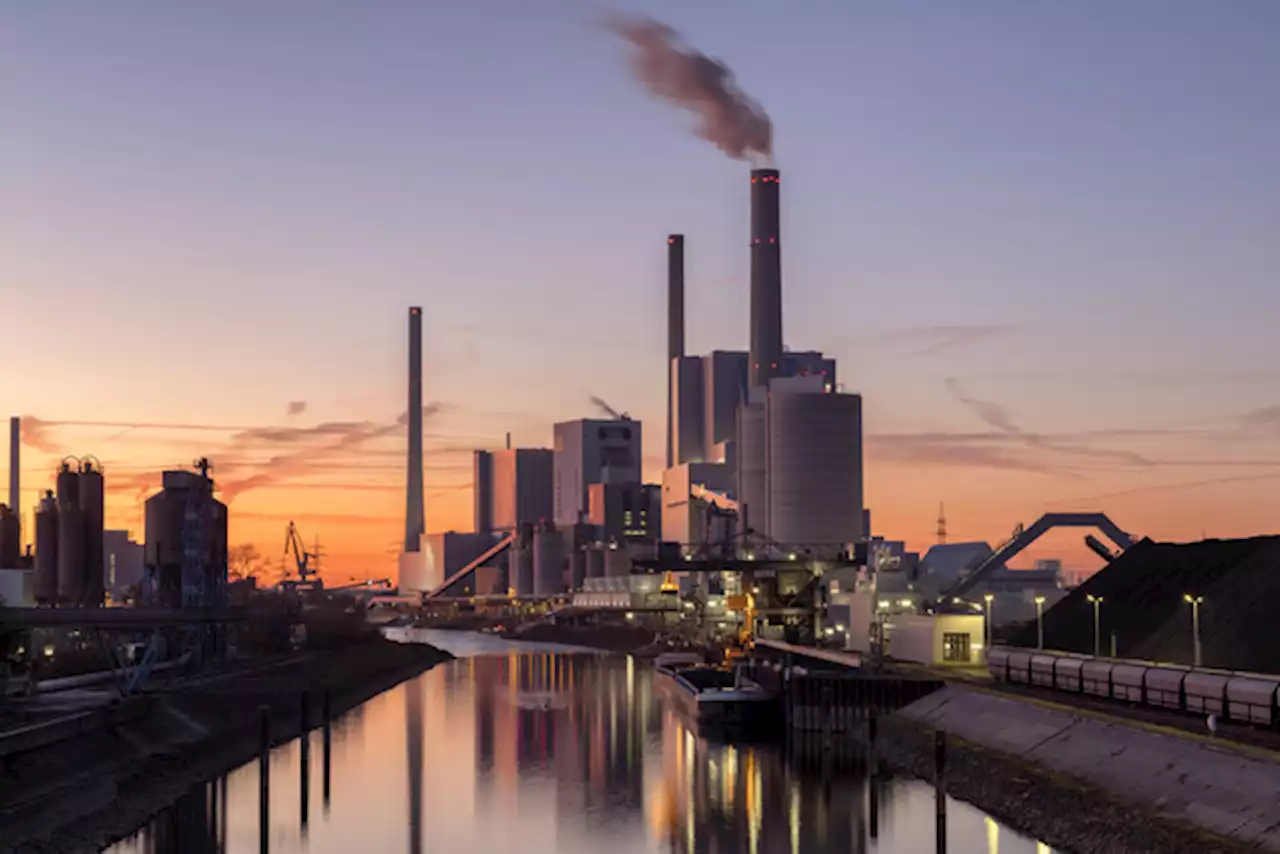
(414, 515)
(675, 326)
(766, 278)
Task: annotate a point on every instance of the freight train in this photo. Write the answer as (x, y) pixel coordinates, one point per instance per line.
(1245, 698)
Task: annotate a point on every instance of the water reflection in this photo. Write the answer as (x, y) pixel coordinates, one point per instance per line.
(552, 752)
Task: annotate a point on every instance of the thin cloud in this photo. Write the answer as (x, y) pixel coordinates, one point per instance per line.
(1000, 418)
(939, 338)
(1173, 487)
(941, 450)
(291, 466)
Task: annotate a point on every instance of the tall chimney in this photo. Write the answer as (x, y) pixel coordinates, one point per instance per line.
(766, 278)
(675, 327)
(15, 460)
(414, 515)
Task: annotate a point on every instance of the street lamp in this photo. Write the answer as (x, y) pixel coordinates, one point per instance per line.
(1195, 602)
(1096, 601)
(1039, 622)
(987, 598)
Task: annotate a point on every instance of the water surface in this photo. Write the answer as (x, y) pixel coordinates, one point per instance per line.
(534, 750)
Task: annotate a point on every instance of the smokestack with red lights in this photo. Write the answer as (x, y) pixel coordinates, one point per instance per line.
(414, 514)
(766, 278)
(675, 326)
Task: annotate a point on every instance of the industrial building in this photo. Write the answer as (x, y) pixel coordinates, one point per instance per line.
(625, 512)
(591, 451)
(774, 441)
(442, 555)
(124, 564)
(512, 486)
(186, 541)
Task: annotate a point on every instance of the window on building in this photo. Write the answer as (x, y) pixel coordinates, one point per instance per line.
(955, 648)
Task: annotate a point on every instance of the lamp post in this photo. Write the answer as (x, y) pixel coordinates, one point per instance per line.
(988, 634)
(1096, 601)
(1039, 622)
(1195, 602)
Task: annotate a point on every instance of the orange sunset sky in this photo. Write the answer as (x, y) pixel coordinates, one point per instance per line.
(1040, 242)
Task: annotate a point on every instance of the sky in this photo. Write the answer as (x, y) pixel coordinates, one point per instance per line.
(1039, 239)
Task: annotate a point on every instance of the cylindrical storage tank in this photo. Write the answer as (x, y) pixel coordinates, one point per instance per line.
(751, 468)
(91, 502)
(548, 561)
(520, 568)
(617, 563)
(45, 582)
(815, 470)
(70, 554)
(577, 568)
(10, 538)
(68, 485)
(595, 562)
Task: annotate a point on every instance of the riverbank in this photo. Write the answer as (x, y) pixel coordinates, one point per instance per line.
(1086, 784)
(84, 792)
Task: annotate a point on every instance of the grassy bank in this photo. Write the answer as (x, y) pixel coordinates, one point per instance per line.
(81, 794)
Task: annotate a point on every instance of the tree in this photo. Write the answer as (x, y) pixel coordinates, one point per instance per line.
(244, 561)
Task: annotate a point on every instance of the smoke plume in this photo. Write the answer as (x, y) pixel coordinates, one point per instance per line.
(727, 117)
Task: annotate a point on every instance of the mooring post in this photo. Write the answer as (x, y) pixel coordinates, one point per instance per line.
(304, 765)
(873, 724)
(940, 787)
(211, 802)
(873, 798)
(327, 713)
(264, 779)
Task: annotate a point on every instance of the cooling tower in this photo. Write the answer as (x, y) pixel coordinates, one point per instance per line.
(815, 470)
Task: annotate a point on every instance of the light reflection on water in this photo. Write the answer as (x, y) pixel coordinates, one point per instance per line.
(551, 752)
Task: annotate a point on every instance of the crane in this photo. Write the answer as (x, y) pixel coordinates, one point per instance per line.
(600, 404)
(308, 563)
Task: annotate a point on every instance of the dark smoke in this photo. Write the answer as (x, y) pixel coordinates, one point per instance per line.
(675, 72)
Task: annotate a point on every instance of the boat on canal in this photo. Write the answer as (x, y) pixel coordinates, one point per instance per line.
(714, 696)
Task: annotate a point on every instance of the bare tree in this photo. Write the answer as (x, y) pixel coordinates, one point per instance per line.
(244, 561)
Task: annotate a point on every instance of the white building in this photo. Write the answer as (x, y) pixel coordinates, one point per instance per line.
(591, 451)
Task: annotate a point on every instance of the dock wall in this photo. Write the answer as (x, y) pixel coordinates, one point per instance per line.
(1229, 790)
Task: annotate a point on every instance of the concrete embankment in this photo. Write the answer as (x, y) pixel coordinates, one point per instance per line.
(100, 783)
(1085, 782)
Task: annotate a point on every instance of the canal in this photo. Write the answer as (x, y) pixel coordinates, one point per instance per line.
(518, 748)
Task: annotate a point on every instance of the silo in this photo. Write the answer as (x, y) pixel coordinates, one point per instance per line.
(520, 561)
(70, 534)
(595, 562)
(617, 563)
(815, 470)
(577, 568)
(10, 538)
(70, 553)
(548, 560)
(752, 494)
(91, 502)
(45, 581)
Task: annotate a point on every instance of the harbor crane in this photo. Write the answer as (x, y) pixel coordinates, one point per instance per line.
(308, 563)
